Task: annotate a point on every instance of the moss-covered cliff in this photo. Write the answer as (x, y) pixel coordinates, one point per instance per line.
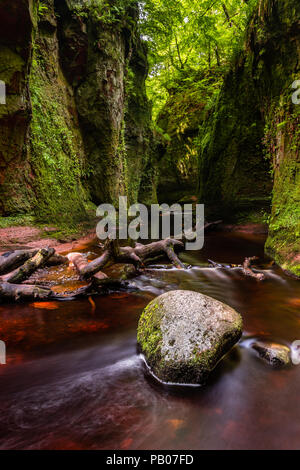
(233, 173)
(106, 63)
(277, 37)
(77, 125)
(55, 148)
(250, 144)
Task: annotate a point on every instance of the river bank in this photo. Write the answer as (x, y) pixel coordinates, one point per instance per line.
(12, 238)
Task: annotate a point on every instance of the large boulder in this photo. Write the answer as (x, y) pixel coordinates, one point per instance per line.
(184, 334)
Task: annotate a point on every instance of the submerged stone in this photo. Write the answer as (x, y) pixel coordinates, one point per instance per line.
(273, 353)
(184, 334)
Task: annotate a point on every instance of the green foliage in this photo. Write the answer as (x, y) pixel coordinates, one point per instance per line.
(282, 143)
(16, 221)
(42, 8)
(185, 36)
(110, 12)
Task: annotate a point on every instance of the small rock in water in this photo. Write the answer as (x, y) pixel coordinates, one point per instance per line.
(273, 353)
(184, 334)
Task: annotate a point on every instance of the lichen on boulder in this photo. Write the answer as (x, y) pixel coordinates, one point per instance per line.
(184, 334)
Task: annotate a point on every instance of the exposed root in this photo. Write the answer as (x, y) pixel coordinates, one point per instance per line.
(249, 272)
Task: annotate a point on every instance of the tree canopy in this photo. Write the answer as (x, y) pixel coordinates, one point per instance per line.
(186, 36)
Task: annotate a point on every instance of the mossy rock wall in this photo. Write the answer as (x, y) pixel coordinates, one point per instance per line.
(106, 62)
(278, 37)
(275, 33)
(56, 149)
(249, 147)
(77, 125)
(233, 174)
(141, 164)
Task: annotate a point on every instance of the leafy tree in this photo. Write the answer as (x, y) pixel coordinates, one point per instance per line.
(185, 36)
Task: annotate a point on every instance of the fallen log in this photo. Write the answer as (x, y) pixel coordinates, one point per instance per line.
(154, 249)
(56, 260)
(140, 254)
(173, 257)
(14, 259)
(30, 266)
(19, 292)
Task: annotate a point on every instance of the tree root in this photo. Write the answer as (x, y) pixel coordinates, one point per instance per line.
(16, 267)
(137, 256)
(23, 263)
(248, 271)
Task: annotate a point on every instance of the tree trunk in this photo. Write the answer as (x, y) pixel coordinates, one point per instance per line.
(11, 261)
(31, 265)
(20, 292)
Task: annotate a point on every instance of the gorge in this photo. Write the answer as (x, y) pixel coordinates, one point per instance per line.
(155, 102)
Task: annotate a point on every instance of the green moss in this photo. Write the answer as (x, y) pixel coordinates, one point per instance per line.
(140, 159)
(56, 149)
(282, 147)
(149, 335)
(15, 221)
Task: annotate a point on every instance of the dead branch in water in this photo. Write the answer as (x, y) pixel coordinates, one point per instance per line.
(82, 265)
(246, 267)
(249, 272)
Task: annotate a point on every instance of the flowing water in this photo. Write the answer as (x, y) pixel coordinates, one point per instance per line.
(74, 380)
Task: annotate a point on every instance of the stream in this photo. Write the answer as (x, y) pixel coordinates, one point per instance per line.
(74, 380)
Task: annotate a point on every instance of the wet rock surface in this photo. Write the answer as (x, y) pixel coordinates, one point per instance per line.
(184, 334)
(275, 354)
